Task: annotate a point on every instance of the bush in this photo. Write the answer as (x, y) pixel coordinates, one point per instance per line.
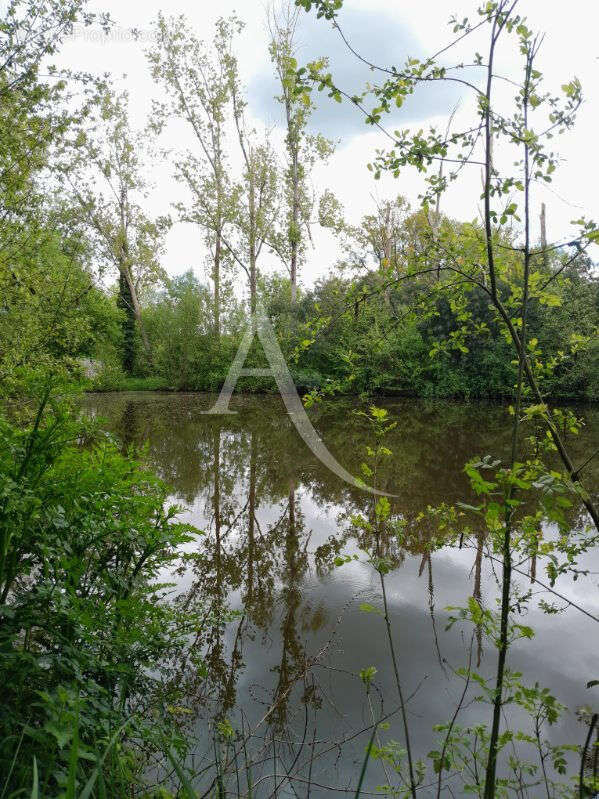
(85, 626)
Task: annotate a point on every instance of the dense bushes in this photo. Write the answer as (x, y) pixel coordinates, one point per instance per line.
(86, 627)
(410, 338)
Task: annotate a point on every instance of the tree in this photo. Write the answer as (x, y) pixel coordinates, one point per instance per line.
(197, 79)
(104, 170)
(33, 114)
(46, 287)
(382, 236)
(32, 30)
(422, 152)
(507, 275)
(302, 149)
(257, 191)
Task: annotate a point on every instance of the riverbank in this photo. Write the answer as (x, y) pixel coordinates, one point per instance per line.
(160, 384)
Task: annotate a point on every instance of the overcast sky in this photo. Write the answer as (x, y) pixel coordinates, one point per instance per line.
(385, 31)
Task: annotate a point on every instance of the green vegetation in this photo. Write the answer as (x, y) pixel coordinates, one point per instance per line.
(419, 304)
(84, 534)
(116, 381)
(85, 620)
(412, 337)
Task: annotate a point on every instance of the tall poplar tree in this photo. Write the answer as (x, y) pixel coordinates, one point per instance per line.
(197, 80)
(303, 150)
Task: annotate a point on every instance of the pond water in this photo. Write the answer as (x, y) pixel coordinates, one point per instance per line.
(286, 665)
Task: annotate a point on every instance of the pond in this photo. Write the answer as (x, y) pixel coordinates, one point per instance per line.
(288, 630)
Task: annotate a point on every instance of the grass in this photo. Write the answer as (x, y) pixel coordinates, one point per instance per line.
(129, 384)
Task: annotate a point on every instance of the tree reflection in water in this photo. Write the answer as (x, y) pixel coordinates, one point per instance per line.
(283, 639)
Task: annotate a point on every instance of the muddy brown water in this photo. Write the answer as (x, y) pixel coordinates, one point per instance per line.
(286, 661)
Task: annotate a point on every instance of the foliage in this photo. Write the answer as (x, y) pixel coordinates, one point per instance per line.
(419, 304)
(528, 751)
(418, 339)
(87, 628)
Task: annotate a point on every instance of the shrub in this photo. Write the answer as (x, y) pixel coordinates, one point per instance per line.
(85, 625)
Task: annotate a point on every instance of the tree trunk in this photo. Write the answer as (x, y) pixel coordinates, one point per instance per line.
(388, 235)
(125, 303)
(136, 307)
(125, 274)
(544, 235)
(252, 237)
(294, 227)
(216, 280)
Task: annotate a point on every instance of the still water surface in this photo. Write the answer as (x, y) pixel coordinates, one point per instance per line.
(275, 519)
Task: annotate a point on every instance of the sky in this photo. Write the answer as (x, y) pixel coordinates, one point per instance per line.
(385, 32)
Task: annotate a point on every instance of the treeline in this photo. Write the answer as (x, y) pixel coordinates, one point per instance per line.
(394, 329)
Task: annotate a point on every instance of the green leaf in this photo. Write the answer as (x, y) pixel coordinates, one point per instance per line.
(73, 758)
(35, 791)
(366, 607)
(367, 675)
(89, 786)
